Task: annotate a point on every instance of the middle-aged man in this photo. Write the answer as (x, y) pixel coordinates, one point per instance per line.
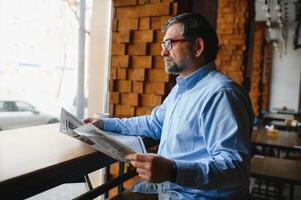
(204, 125)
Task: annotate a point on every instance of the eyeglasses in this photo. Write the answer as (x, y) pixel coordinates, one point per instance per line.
(167, 44)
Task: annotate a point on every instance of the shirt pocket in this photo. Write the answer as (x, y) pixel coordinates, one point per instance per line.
(184, 134)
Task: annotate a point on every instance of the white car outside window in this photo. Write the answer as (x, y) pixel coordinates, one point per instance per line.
(18, 114)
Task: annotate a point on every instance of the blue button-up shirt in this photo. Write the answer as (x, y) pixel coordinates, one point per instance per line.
(205, 126)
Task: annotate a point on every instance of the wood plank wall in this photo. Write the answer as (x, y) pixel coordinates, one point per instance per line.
(232, 18)
(138, 81)
(257, 66)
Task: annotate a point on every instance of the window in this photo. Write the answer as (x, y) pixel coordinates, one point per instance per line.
(22, 106)
(39, 54)
(8, 106)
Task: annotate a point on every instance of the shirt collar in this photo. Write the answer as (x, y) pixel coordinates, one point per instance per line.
(196, 76)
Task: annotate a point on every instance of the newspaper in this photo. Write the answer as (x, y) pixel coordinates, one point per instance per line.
(69, 122)
(114, 145)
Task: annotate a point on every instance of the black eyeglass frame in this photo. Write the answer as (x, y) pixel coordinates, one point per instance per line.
(167, 44)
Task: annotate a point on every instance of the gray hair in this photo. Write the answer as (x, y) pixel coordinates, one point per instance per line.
(196, 26)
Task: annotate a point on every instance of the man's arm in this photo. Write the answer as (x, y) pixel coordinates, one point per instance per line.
(226, 124)
(147, 125)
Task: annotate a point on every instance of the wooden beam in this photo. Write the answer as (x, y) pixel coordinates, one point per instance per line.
(249, 46)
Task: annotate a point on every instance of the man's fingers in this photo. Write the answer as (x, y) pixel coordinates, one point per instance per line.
(144, 177)
(139, 157)
(88, 120)
(144, 174)
(142, 171)
(95, 121)
(133, 163)
(142, 165)
(143, 157)
(131, 156)
(143, 161)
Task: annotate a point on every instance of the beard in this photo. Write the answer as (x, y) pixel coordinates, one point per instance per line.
(171, 67)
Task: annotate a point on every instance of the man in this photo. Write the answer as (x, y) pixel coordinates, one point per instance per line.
(204, 124)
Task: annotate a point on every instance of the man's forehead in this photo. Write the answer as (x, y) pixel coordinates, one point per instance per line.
(174, 31)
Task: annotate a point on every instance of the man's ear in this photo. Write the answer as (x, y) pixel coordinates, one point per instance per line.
(199, 47)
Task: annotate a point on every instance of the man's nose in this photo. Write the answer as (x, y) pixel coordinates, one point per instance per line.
(164, 52)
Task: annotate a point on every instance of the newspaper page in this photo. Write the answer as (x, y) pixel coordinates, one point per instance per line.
(135, 142)
(104, 143)
(112, 144)
(68, 122)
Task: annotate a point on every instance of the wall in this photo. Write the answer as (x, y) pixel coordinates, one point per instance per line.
(285, 78)
(138, 81)
(231, 30)
(257, 64)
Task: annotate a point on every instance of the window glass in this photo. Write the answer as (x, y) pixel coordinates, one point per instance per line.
(39, 58)
(1, 106)
(22, 106)
(8, 106)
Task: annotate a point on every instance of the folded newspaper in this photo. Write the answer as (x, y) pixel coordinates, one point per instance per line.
(114, 145)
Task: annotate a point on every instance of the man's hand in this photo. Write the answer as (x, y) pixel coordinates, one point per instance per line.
(151, 167)
(96, 122)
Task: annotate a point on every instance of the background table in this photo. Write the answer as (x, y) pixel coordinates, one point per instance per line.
(276, 169)
(282, 125)
(282, 140)
(285, 111)
(276, 116)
